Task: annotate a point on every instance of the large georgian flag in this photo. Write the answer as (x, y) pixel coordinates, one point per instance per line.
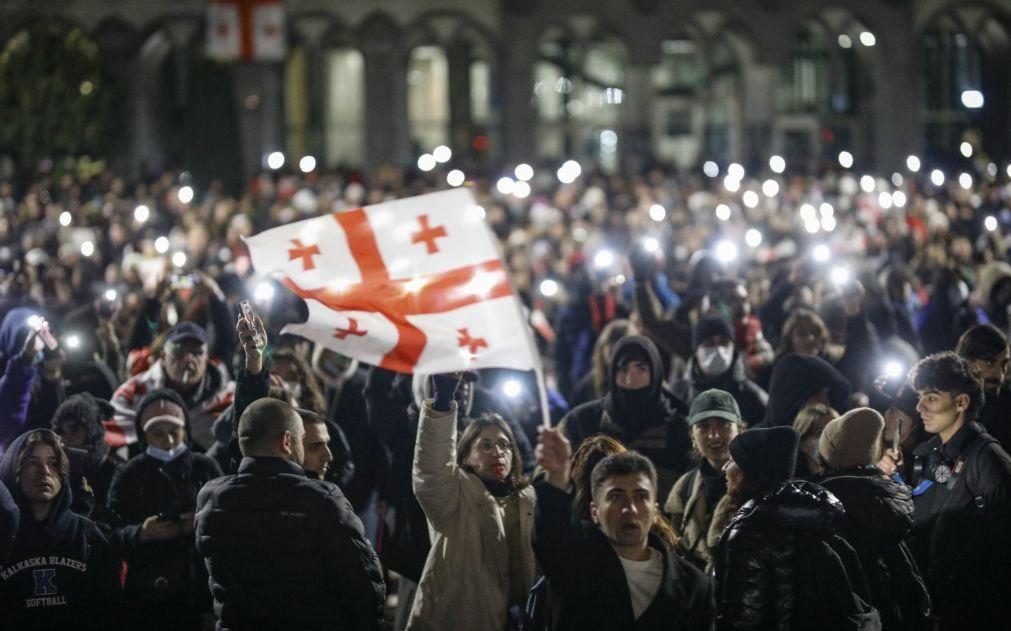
(246, 29)
(413, 285)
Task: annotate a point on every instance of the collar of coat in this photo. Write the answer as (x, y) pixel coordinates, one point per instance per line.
(261, 465)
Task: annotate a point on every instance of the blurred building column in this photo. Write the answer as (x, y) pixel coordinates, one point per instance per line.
(758, 113)
(312, 29)
(517, 81)
(899, 128)
(635, 143)
(386, 134)
(459, 54)
(259, 91)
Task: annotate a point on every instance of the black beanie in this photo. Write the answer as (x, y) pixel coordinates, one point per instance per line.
(710, 326)
(766, 453)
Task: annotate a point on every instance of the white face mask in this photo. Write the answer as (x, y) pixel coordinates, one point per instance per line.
(166, 456)
(714, 360)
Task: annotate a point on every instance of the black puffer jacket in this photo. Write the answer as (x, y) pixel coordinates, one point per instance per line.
(766, 565)
(286, 552)
(657, 429)
(879, 519)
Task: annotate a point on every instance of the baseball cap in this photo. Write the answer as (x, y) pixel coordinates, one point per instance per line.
(185, 330)
(714, 403)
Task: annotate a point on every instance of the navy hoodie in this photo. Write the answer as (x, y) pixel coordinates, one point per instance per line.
(61, 573)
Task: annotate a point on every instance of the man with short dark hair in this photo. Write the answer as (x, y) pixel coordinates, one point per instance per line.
(986, 349)
(612, 573)
(60, 572)
(283, 550)
(962, 511)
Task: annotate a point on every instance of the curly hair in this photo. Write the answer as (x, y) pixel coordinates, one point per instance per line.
(947, 372)
(469, 436)
(799, 317)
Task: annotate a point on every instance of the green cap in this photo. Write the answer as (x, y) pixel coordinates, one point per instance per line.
(714, 403)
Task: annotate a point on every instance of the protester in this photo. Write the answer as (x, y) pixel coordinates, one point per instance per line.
(697, 505)
(638, 411)
(154, 495)
(78, 422)
(879, 517)
(612, 572)
(19, 346)
(597, 383)
(61, 572)
(986, 349)
(810, 423)
(961, 508)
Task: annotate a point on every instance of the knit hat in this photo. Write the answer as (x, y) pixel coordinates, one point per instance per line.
(714, 403)
(852, 440)
(769, 453)
(710, 326)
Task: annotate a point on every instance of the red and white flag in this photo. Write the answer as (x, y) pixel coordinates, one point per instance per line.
(413, 285)
(246, 29)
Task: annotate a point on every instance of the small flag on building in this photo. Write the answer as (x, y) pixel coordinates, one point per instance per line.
(246, 29)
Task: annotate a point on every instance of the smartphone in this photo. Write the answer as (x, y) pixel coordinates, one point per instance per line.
(40, 326)
(897, 436)
(250, 316)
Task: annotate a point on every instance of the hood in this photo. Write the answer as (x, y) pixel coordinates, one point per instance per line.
(89, 412)
(10, 517)
(9, 476)
(156, 395)
(794, 379)
(875, 503)
(991, 274)
(13, 331)
(645, 347)
(796, 505)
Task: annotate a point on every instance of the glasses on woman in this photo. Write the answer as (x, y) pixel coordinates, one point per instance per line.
(491, 446)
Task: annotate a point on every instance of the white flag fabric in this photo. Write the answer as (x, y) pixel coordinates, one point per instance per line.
(413, 285)
(224, 31)
(246, 29)
(268, 31)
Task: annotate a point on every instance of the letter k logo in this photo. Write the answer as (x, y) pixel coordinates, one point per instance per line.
(44, 585)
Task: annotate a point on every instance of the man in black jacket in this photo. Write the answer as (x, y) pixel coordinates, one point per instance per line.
(282, 550)
(612, 573)
(962, 510)
(986, 350)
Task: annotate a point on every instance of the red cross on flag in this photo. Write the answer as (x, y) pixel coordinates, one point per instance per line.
(413, 285)
(246, 29)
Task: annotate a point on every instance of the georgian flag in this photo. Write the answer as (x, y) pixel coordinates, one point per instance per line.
(412, 285)
(246, 29)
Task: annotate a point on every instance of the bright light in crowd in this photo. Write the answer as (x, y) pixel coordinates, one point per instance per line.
(807, 212)
(442, 153)
(723, 212)
(845, 41)
(549, 288)
(826, 209)
(73, 341)
(87, 248)
(512, 388)
(455, 177)
(65, 218)
(898, 199)
(179, 259)
(307, 164)
(710, 168)
(777, 164)
(1009, 170)
(264, 292)
(275, 160)
(828, 223)
(185, 194)
(657, 212)
(505, 185)
(965, 149)
(885, 200)
(750, 199)
(821, 253)
(991, 169)
(732, 184)
(867, 184)
(603, 259)
(521, 190)
(972, 99)
(650, 244)
(840, 274)
(110, 294)
(524, 172)
(736, 170)
(426, 162)
(141, 213)
(913, 163)
(937, 177)
(965, 181)
(770, 188)
(161, 245)
(753, 238)
(845, 159)
(897, 179)
(726, 252)
(867, 39)
(35, 322)
(569, 171)
(893, 369)
(990, 223)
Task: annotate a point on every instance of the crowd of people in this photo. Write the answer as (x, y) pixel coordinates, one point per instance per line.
(777, 402)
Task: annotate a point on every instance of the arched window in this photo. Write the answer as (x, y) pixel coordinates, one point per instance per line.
(345, 107)
(428, 97)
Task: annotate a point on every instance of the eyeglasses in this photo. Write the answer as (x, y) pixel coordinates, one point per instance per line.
(490, 447)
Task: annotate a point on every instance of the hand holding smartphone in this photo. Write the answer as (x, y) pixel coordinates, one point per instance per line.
(250, 317)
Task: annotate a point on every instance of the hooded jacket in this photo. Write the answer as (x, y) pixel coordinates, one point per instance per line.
(160, 573)
(795, 378)
(990, 277)
(879, 520)
(61, 573)
(650, 420)
(18, 376)
(750, 397)
(96, 469)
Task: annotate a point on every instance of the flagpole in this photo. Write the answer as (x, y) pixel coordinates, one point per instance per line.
(542, 387)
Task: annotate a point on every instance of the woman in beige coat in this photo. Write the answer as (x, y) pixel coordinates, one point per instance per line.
(480, 513)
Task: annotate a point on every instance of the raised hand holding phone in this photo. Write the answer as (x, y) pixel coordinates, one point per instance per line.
(253, 337)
